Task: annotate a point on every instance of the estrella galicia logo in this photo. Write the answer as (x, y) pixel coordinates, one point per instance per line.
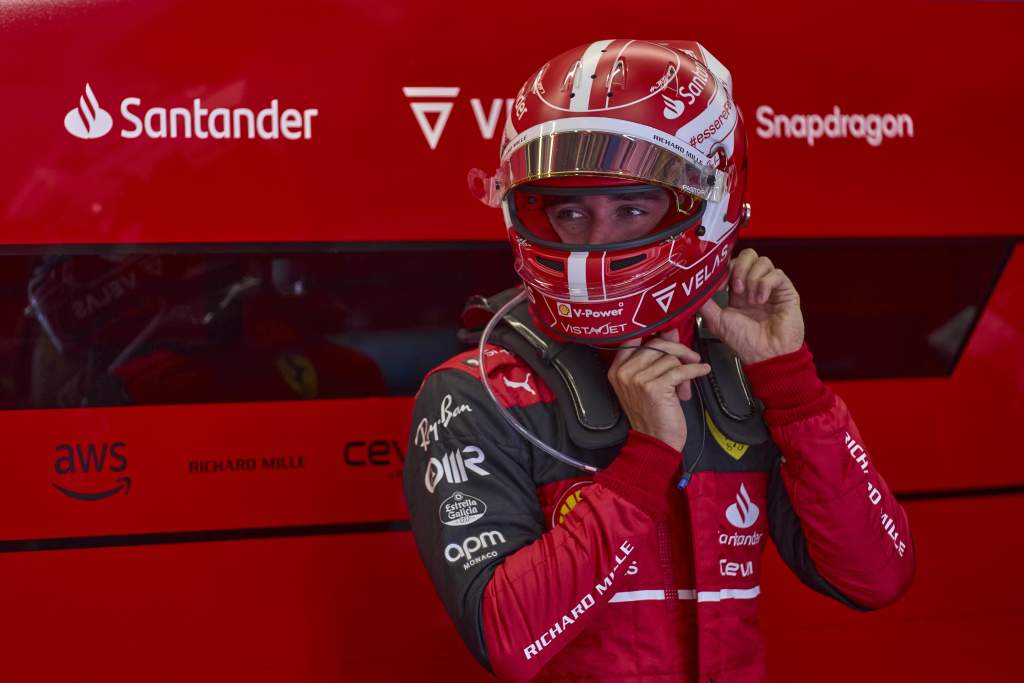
(79, 464)
(88, 120)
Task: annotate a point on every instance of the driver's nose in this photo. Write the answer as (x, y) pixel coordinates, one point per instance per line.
(602, 229)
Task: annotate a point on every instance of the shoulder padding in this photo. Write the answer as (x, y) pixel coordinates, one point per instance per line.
(577, 377)
(512, 380)
(575, 374)
(726, 392)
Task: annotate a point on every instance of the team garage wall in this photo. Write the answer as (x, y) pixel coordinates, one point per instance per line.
(294, 563)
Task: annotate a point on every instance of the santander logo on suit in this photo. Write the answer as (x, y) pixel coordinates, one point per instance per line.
(744, 512)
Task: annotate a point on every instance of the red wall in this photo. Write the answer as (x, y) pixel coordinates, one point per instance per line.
(303, 571)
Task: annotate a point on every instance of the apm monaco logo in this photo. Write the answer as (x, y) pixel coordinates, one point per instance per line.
(84, 468)
(470, 550)
(89, 121)
(440, 101)
(743, 513)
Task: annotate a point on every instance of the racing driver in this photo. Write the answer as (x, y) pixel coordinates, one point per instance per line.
(593, 486)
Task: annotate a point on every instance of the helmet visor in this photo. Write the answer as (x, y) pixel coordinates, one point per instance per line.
(598, 217)
(623, 150)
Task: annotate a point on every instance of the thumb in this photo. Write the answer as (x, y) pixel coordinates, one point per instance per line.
(712, 314)
(671, 334)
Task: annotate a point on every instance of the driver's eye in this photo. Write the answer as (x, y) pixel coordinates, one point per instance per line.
(631, 211)
(568, 214)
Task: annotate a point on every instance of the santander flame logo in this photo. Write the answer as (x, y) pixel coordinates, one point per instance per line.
(743, 513)
(88, 120)
(673, 108)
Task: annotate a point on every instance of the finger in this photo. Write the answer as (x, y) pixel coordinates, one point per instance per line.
(677, 376)
(764, 285)
(627, 349)
(725, 283)
(711, 313)
(660, 347)
(684, 392)
(643, 357)
(758, 270)
(773, 283)
(656, 369)
(740, 265)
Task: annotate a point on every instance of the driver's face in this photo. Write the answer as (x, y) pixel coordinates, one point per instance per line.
(606, 218)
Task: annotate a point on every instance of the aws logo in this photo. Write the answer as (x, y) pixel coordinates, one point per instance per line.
(81, 466)
(569, 499)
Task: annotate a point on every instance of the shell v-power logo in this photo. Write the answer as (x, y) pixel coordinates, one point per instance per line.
(91, 471)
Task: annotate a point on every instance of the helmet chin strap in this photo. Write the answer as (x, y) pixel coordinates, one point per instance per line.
(684, 325)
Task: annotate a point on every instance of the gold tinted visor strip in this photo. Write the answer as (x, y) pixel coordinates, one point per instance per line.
(610, 154)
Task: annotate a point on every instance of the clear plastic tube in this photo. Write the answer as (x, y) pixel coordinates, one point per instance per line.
(550, 450)
(505, 413)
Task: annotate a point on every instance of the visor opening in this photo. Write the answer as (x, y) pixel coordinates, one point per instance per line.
(619, 264)
(551, 263)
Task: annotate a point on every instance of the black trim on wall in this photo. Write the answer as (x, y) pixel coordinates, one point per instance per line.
(209, 535)
(875, 307)
(389, 526)
(948, 494)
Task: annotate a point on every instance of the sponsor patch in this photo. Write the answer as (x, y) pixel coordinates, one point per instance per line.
(744, 512)
(454, 467)
(735, 449)
(567, 502)
(461, 509)
(474, 549)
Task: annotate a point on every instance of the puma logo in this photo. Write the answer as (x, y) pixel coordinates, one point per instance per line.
(525, 384)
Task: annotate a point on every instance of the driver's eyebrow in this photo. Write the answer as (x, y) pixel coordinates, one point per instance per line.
(642, 196)
(646, 195)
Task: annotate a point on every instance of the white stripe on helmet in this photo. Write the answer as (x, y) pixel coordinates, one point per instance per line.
(583, 83)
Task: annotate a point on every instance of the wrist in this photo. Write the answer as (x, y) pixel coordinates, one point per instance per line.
(789, 386)
(643, 472)
(672, 441)
(754, 358)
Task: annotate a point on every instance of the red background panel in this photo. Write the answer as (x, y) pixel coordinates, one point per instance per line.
(952, 67)
(335, 605)
(351, 608)
(164, 447)
(961, 619)
(361, 607)
(951, 432)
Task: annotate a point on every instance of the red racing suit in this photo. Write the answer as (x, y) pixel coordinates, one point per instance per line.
(551, 574)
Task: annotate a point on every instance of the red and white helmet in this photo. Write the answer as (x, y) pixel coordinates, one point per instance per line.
(614, 116)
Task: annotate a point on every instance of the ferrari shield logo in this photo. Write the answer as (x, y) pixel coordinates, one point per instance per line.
(735, 449)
